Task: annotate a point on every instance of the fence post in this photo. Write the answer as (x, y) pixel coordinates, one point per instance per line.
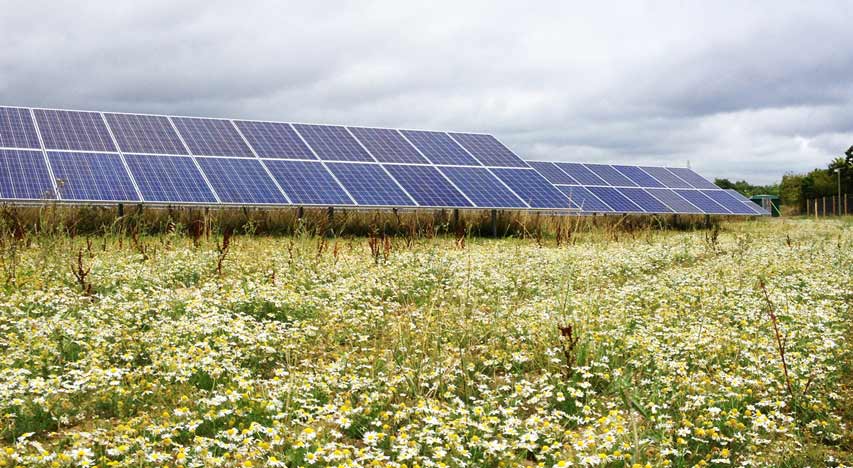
(815, 209)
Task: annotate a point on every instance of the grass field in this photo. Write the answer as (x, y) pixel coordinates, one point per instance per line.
(704, 348)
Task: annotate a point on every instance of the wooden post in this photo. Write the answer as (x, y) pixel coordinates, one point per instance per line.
(455, 219)
(815, 208)
(331, 218)
(300, 213)
(824, 206)
(833, 205)
(494, 223)
(120, 210)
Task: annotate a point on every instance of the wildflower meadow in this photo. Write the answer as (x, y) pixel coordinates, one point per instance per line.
(712, 347)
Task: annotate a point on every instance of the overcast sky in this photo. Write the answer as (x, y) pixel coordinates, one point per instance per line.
(741, 90)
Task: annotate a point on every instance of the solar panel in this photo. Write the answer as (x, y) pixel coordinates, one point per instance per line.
(610, 175)
(17, 129)
(169, 179)
(274, 140)
(638, 176)
(702, 202)
(211, 137)
(581, 174)
(554, 174)
(439, 148)
(427, 186)
(746, 201)
(308, 183)
(24, 175)
(584, 199)
(150, 134)
(91, 177)
(534, 189)
(73, 130)
(482, 187)
(645, 201)
(370, 185)
(615, 199)
(692, 178)
(488, 150)
(727, 201)
(241, 181)
(332, 143)
(387, 145)
(668, 179)
(673, 200)
(738, 195)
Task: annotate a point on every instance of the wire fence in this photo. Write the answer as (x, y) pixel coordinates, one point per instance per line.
(829, 206)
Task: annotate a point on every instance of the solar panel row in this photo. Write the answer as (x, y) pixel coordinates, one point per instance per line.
(111, 157)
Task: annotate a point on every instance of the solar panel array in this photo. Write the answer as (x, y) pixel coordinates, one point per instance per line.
(91, 157)
(603, 188)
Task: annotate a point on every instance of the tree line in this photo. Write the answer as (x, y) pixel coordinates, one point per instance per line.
(795, 189)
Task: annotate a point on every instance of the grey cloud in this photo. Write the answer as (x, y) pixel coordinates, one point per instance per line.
(741, 90)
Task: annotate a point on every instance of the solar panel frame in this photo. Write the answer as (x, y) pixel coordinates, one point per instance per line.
(553, 173)
(361, 180)
(144, 134)
(644, 200)
(17, 129)
(692, 178)
(25, 175)
(584, 199)
(488, 150)
(311, 185)
(67, 130)
(727, 201)
(533, 188)
(439, 148)
(638, 176)
(274, 140)
(581, 174)
(333, 143)
(232, 179)
(674, 201)
(428, 186)
(211, 137)
(77, 180)
(482, 187)
(610, 175)
(169, 179)
(615, 199)
(664, 176)
(387, 145)
(701, 201)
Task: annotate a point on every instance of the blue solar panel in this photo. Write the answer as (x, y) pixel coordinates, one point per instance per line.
(332, 143)
(488, 150)
(274, 140)
(72, 130)
(370, 185)
(701, 201)
(610, 175)
(17, 129)
(668, 179)
(746, 201)
(692, 178)
(427, 186)
(727, 201)
(638, 176)
(387, 145)
(91, 176)
(615, 200)
(24, 176)
(308, 183)
(482, 187)
(533, 188)
(440, 148)
(584, 199)
(169, 179)
(211, 137)
(150, 134)
(645, 201)
(241, 181)
(673, 200)
(581, 174)
(554, 174)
